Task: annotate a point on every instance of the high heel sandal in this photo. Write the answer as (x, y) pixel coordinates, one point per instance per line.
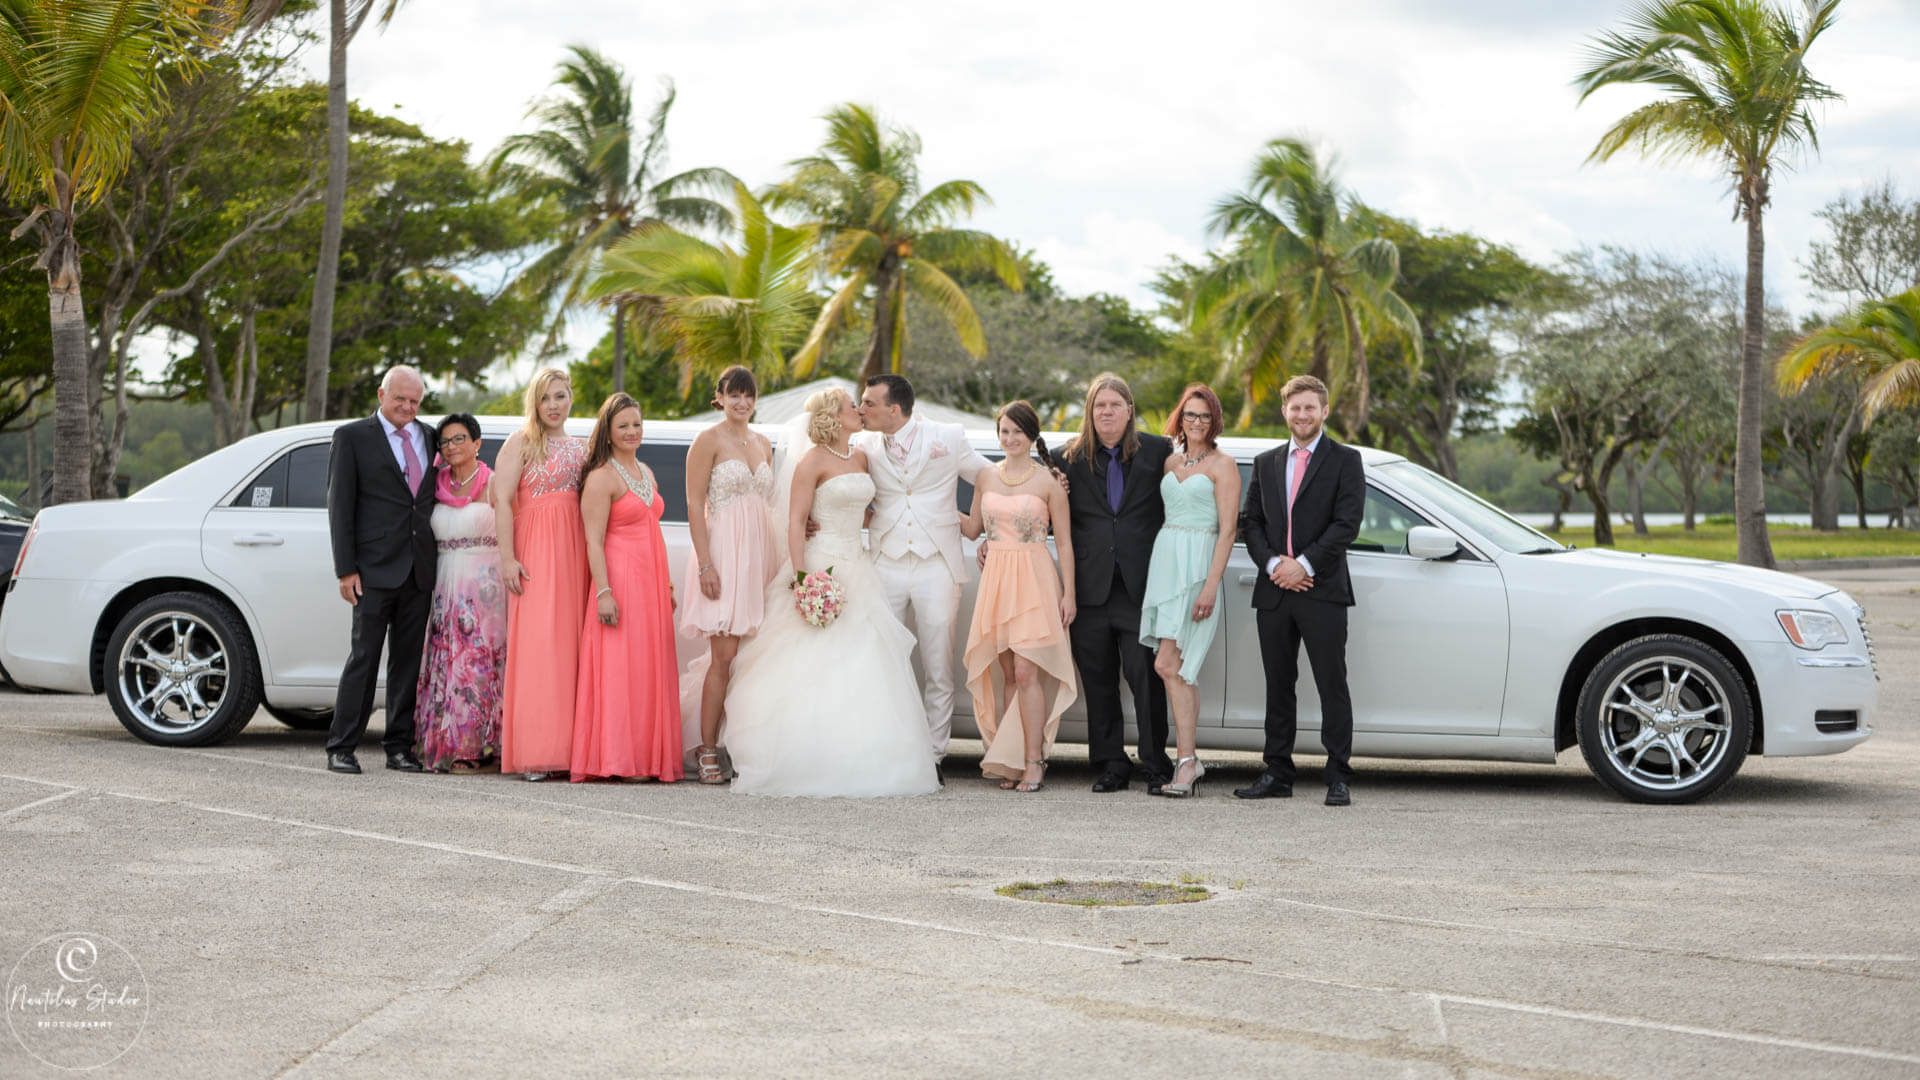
(1181, 791)
(710, 770)
(1035, 785)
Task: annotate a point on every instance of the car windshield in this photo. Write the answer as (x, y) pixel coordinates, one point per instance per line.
(1470, 510)
(11, 509)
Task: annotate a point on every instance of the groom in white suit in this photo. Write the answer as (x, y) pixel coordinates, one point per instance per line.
(916, 467)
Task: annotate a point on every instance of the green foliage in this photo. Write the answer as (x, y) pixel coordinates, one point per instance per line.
(1877, 342)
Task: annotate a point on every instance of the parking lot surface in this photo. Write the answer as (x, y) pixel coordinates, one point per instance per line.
(1459, 920)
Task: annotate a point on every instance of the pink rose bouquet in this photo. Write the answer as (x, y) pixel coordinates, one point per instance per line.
(819, 597)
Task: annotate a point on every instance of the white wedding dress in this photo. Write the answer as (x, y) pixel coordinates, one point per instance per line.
(832, 711)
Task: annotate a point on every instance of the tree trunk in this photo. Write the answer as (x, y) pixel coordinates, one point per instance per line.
(886, 284)
(1637, 492)
(1749, 491)
(619, 349)
(1560, 511)
(1689, 498)
(72, 411)
(327, 272)
(32, 495)
(1602, 509)
(1361, 391)
(1857, 479)
(1826, 500)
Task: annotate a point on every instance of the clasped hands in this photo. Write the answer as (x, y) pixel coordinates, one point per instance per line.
(1289, 574)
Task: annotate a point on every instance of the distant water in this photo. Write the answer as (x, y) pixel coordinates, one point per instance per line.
(1585, 521)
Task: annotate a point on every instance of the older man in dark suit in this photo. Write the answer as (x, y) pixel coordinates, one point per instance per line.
(1303, 508)
(380, 508)
(1113, 491)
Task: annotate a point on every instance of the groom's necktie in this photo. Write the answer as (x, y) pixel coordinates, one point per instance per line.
(1116, 478)
(1300, 457)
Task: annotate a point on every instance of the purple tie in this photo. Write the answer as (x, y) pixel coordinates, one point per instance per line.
(1116, 479)
(413, 459)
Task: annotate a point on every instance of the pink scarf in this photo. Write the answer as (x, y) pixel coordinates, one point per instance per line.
(443, 485)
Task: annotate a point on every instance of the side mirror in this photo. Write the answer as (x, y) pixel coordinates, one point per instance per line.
(1428, 542)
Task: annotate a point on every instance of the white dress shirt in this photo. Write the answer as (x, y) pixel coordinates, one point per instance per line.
(1291, 447)
(412, 434)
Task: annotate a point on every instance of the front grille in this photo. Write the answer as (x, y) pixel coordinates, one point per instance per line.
(1873, 659)
(1831, 720)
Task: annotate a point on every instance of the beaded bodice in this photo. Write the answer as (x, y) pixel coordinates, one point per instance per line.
(559, 472)
(731, 479)
(1013, 519)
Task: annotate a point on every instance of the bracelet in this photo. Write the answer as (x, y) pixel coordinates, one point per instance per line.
(704, 567)
(602, 592)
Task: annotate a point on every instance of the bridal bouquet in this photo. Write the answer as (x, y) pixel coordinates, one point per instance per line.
(818, 597)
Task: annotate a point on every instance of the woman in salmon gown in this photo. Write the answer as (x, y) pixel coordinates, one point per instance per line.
(1018, 660)
(626, 718)
(543, 560)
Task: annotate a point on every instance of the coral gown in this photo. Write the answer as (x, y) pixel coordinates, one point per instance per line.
(626, 721)
(543, 622)
(1016, 609)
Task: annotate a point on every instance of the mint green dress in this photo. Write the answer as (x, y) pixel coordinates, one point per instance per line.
(1182, 554)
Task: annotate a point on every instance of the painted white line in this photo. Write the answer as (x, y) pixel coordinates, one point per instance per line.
(252, 761)
(56, 797)
(42, 783)
(1440, 1020)
(1837, 958)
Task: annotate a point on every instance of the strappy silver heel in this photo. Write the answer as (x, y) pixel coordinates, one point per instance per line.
(1181, 791)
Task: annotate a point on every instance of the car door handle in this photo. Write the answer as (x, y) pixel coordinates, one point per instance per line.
(1248, 579)
(259, 540)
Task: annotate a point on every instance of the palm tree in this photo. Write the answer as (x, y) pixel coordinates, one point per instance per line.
(716, 305)
(1879, 340)
(1734, 88)
(77, 79)
(583, 163)
(879, 232)
(1309, 269)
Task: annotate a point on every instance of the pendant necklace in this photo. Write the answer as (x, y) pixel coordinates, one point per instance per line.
(1192, 461)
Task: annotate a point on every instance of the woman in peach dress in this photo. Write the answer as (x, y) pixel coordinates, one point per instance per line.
(626, 719)
(1018, 660)
(543, 560)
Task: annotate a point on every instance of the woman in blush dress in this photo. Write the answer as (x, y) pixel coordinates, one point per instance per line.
(729, 490)
(543, 559)
(1201, 490)
(626, 720)
(1018, 659)
(831, 710)
(458, 712)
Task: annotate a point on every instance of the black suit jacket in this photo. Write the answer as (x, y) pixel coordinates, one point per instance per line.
(1103, 538)
(1327, 512)
(381, 531)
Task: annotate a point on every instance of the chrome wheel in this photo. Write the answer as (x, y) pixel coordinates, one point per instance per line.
(1664, 718)
(1666, 723)
(172, 672)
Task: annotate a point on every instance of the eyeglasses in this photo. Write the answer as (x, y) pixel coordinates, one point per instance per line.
(455, 440)
(1202, 417)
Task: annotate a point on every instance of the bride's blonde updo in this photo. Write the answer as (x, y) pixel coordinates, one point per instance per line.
(823, 415)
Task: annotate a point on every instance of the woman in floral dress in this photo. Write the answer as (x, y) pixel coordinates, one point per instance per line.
(458, 711)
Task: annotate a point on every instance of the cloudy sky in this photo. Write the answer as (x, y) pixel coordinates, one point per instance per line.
(1105, 131)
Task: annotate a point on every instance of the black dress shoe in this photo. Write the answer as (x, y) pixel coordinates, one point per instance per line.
(1268, 786)
(1111, 780)
(342, 761)
(1156, 781)
(1337, 794)
(404, 761)
(940, 772)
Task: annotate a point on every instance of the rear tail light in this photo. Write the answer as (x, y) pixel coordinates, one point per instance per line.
(20, 560)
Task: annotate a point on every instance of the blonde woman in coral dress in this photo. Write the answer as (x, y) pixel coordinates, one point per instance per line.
(543, 560)
(730, 563)
(626, 720)
(1018, 659)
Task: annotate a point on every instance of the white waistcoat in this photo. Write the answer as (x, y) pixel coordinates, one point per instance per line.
(915, 506)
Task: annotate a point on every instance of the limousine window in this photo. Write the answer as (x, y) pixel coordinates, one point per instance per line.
(1384, 524)
(669, 464)
(268, 488)
(307, 475)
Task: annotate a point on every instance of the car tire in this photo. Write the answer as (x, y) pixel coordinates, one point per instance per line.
(181, 670)
(1664, 718)
(315, 719)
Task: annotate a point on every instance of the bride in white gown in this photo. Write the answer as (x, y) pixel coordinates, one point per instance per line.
(834, 711)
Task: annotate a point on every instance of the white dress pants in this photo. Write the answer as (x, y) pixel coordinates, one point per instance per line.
(928, 587)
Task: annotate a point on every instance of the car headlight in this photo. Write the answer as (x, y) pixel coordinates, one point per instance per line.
(1812, 629)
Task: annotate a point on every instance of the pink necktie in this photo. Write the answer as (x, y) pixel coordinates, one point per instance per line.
(1299, 473)
(413, 459)
(897, 449)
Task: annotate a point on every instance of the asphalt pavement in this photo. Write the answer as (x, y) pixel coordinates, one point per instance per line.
(1459, 920)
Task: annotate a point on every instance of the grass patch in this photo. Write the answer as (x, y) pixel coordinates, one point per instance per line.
(1719, 541)
(1106, 893)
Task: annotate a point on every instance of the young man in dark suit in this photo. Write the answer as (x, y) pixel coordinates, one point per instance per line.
(1113, 490)
(1303, 508)
(380, 507)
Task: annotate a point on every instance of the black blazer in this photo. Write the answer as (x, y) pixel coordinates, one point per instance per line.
(1327, 512)
(1103, 539)
(381, 531)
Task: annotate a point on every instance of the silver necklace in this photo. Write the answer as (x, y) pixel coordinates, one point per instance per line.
(1192, 461)
(642, 487)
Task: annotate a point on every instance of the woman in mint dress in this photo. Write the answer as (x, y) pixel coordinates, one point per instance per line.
(1178, 616)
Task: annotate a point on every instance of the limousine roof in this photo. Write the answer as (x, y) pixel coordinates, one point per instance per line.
(1240, 446)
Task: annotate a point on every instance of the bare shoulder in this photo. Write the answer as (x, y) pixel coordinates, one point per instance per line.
(859, 457)
(600, 480)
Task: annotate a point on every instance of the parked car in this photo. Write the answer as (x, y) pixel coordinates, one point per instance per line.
(15, 520)
(210, 593)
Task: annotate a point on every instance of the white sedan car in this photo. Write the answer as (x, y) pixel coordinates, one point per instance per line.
(211, 592)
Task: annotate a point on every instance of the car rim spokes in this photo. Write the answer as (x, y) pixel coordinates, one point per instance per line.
(1665, 723)
(172, 672)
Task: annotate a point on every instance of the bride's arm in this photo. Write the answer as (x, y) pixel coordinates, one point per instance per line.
(801, 499)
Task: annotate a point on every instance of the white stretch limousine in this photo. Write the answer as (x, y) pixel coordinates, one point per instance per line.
(211, 592)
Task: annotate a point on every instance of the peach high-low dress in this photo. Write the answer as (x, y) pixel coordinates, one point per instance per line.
(1016, 609)
(627, 720)
(543, 622)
